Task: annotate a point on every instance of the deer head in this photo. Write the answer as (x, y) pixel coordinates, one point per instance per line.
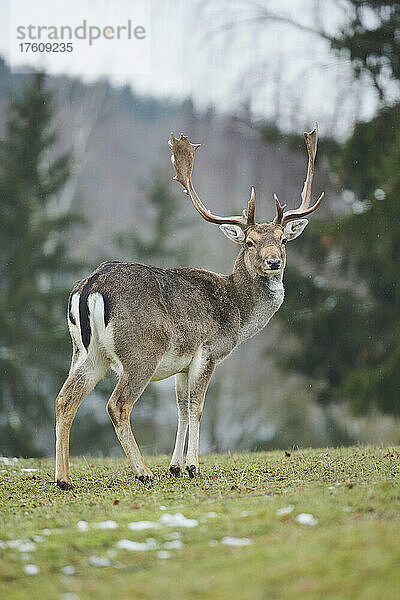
(263, 243)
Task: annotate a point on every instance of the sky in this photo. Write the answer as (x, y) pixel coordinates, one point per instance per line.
(216, 52)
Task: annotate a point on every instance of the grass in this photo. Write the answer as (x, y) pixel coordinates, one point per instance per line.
(353, 551)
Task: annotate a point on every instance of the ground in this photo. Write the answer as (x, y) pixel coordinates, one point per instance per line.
(315, 524)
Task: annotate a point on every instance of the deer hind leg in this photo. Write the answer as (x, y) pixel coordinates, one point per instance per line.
(199, 377)
(78, 384)
(182, 400)
(119, 407)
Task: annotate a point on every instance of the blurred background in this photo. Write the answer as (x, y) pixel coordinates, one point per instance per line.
(85, 176)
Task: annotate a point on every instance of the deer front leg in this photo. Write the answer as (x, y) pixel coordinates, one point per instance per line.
(182, 401)
(199, 377)
(119, 408)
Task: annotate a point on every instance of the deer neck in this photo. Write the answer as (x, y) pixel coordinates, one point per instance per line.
(258, 298)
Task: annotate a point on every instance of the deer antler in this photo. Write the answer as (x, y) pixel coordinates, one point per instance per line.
(182, 158)
(304, 208)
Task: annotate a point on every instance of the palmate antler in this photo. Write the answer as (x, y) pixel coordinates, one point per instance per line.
(304, 208)
(182, 158)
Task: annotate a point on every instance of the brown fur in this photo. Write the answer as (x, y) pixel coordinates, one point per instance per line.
(155, 312)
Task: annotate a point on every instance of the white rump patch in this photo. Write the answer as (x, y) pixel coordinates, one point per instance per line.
(75, 330)
(103, 335)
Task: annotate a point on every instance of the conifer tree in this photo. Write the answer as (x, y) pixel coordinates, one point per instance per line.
(35, 270)
(349, 338)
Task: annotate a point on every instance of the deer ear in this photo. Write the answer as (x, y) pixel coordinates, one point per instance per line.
(294, 228)
(233, 232)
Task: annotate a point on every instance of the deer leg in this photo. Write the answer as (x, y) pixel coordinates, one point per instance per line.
(77, 385)
(182, 401)
(198, 384)
(119, 408)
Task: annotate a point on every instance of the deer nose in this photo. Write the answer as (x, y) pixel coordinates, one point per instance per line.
(273, 263)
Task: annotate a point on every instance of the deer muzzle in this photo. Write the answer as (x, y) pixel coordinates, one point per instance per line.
(272, 263)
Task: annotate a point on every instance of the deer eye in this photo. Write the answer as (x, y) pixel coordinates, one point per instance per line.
(249, 244)
(284, 241)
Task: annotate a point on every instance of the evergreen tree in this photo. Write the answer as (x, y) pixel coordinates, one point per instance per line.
(34, 269)
(349, 336)
(371, 40)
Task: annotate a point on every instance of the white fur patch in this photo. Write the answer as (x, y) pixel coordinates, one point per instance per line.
(275, 285)
(233, 232)
(75, 330)
(92, 360)
(263, 312)
(102, 335)
(294, 228)
(170, 364)
(197, 365)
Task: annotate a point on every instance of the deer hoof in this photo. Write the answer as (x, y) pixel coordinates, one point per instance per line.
(175, 471)
(193, 471)
(145, 479)
(64, 485)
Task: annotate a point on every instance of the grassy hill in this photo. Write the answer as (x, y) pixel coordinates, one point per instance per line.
(302, 524)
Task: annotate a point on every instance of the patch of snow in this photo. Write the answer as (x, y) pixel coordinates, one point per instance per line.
(306, 519)
(8, 461)
(21, 545)
(213, 543)
(244, 513)
(68, 570)
(163, 554)
(140, 525)
(177, 520)
(31, 569)
(173, 545)
(83, 525)
(163, 508)
(99, 561)
(106, 525)
(234, 541)
(29, 470)
(37, 538)
(285, 510)
(149, 544)
(45, 532)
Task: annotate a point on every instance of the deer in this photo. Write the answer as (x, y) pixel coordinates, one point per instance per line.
(147, 324)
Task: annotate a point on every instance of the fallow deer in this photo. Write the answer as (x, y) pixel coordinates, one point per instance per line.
(147, 324)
